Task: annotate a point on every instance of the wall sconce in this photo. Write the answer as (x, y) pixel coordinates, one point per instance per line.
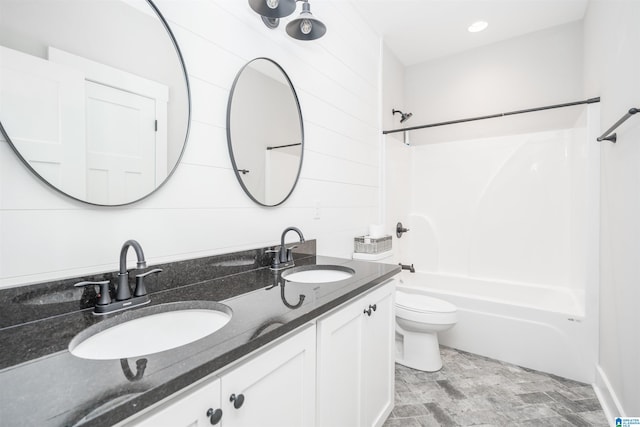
(304, 27)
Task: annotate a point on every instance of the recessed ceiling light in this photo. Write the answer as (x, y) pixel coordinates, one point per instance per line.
(478, 26)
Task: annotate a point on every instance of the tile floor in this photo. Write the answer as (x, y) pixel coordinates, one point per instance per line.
(472, 390)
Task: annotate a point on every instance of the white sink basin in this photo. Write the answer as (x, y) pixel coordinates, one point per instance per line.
(149, 333)
(318, 274)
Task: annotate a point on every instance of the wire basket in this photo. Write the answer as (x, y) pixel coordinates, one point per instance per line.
(372, 245)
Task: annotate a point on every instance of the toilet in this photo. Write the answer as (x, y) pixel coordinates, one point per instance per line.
(419, 318)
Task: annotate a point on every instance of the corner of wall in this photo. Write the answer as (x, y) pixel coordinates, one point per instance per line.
(606, 395)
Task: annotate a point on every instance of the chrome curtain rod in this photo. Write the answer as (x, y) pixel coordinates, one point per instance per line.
(612, 137)
(493, 116)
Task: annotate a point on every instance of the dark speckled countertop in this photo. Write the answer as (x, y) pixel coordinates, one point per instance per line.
(42, 384)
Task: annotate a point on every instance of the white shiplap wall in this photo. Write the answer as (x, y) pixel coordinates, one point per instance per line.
(202, 209)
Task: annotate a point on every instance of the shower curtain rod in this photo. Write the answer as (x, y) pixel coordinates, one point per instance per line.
(493, 116)
(613, 137)
(283, 146)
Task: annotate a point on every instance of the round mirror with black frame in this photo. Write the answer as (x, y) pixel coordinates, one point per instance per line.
(94, 96)
(265, 132)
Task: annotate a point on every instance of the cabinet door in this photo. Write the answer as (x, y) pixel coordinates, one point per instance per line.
(190, 409)
(339, 370)
(277, 387)
(356, 361)
(378, 354)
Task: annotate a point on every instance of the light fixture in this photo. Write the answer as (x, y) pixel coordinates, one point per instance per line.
(304, 27)
(478, 26)
(273, 8)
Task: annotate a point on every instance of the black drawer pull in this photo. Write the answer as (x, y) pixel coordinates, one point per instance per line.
(214, 416)
(237, 400)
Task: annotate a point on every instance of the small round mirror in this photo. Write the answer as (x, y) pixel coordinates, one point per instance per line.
(94, 96)
(265, 132)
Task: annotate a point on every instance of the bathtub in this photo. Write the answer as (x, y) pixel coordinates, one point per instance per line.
(537, 327)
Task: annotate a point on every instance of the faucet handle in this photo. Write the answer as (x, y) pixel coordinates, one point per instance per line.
(104, 298)
(141, 290)
(290, 252)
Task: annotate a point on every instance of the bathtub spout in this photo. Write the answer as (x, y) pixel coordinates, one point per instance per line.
(411, 268)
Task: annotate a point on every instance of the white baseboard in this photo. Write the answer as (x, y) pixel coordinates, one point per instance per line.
(607, 397)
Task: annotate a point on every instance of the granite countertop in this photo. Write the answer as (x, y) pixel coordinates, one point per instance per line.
(41, 383)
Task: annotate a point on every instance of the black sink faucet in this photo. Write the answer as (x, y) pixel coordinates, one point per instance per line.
(284, 256)
(123, 299)
(123, 292)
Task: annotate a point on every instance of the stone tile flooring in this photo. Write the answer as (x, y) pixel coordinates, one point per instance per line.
(472, 390)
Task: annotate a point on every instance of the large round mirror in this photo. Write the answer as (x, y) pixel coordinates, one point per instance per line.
(94, 96)
(265, 132)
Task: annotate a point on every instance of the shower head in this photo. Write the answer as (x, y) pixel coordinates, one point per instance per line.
(403, 116)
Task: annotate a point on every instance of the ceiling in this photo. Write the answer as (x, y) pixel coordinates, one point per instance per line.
(422, 30)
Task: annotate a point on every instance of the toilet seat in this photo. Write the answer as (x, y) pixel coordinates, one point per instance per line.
(423, 303)
(425, 309)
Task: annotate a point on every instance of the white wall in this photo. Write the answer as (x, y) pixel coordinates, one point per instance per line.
(534, 70)
(612, 40)
(202, 209)
(395, 155)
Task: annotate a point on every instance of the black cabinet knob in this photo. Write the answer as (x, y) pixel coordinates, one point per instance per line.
(374, 307)
(214, 416)
(237, 400)
(368, 311)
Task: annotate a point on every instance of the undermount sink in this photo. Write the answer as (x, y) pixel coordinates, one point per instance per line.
(318, 274)
(150, 330)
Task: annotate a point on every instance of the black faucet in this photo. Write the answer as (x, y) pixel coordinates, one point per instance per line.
(123, 293)
(284, 256)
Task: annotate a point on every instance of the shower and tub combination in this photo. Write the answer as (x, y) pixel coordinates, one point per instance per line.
(505, 228)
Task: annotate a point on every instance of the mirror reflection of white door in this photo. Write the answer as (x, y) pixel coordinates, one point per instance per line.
(128, 160)
(281, 166)
(120, 159)
(42, 111)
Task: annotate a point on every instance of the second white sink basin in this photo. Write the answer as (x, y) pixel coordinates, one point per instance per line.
(318, 274)
(163, 328)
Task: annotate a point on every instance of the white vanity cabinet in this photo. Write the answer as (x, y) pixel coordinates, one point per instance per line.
(338, 372)
(276, 388)
(355, 380)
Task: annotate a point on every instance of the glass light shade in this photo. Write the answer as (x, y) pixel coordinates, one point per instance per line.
(306, 26)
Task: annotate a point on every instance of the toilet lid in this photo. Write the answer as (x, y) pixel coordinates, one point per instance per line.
(423, 303)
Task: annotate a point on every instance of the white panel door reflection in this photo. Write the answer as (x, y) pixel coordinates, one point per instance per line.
(120, 159)
(42, 108)
(130, 159)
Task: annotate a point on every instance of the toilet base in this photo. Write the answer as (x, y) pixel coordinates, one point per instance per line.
(419, 350)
